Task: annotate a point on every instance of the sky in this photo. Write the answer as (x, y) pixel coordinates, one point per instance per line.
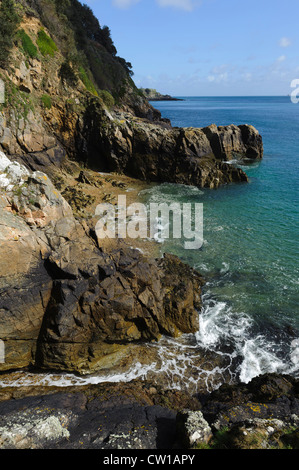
(206, 47)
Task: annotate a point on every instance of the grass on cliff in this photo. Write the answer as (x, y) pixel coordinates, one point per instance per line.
(106, 98)
(47, 101)
(27, 45)
(86, 81)
(45, 44)
(19, 102)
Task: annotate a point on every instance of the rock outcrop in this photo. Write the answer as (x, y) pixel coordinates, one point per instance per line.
(155, 151)
(66, 303)
(153, 95)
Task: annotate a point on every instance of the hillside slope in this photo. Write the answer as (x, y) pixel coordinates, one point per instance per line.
(68, 94)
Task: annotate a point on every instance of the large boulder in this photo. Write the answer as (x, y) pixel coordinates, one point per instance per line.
(116, 299)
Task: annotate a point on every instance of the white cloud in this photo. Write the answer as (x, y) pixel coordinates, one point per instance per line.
(220, 78)
(285, 42)
(187, 5)
(282, 58)
(124, 3)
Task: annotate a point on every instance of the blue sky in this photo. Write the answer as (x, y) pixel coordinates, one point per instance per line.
(206, 47)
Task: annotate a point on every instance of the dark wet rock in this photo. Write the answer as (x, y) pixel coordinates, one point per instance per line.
(109, 416)
(138, 415)
(270, 396)
(152, 151)
(85, 178)
(77, 199)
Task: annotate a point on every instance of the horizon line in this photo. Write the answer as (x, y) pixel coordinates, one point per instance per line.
(230, 96)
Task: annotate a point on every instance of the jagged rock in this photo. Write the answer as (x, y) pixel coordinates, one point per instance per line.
(102, 418)
(152, 151)
(31, 212)
(77, 305)
(270, 396)
(192, 428)
(116, 299)
(132, 415)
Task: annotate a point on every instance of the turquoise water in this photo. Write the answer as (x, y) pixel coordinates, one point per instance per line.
(250, 252)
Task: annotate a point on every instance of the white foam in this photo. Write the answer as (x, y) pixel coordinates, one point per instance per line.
(225, 268)
(66, 379)
(220, 326)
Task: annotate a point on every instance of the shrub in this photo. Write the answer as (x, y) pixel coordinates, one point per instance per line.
(107, 98)
(29, 48)
(67, 74)
(47, 101)
(46, 45)
(9, 20)
(86, 81)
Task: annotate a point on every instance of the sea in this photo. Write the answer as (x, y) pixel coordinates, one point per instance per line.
(250, 253)
(249, 256)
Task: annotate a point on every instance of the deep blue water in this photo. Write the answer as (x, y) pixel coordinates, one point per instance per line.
(251, 233)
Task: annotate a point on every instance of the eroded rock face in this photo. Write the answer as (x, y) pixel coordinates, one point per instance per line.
(123, 298)
(154, 151)
(31, 211)
(67, 304)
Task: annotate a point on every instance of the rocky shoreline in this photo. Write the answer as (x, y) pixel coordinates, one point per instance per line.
(263, 414)
(67, 331)
(79, 302)
(70, 302)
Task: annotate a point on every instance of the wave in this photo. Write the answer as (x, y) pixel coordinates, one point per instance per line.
(227, 348)
(252, 352)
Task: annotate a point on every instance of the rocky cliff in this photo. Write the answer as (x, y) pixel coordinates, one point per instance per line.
(78, 304)
(69, 96)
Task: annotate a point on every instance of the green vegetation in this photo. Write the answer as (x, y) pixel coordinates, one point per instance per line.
(67, 74)
(86, 81)
(45, 44)
(28, 47)
(107, 98)
(19, 102)
(47, 101)
(78, 33)
(9, 21)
